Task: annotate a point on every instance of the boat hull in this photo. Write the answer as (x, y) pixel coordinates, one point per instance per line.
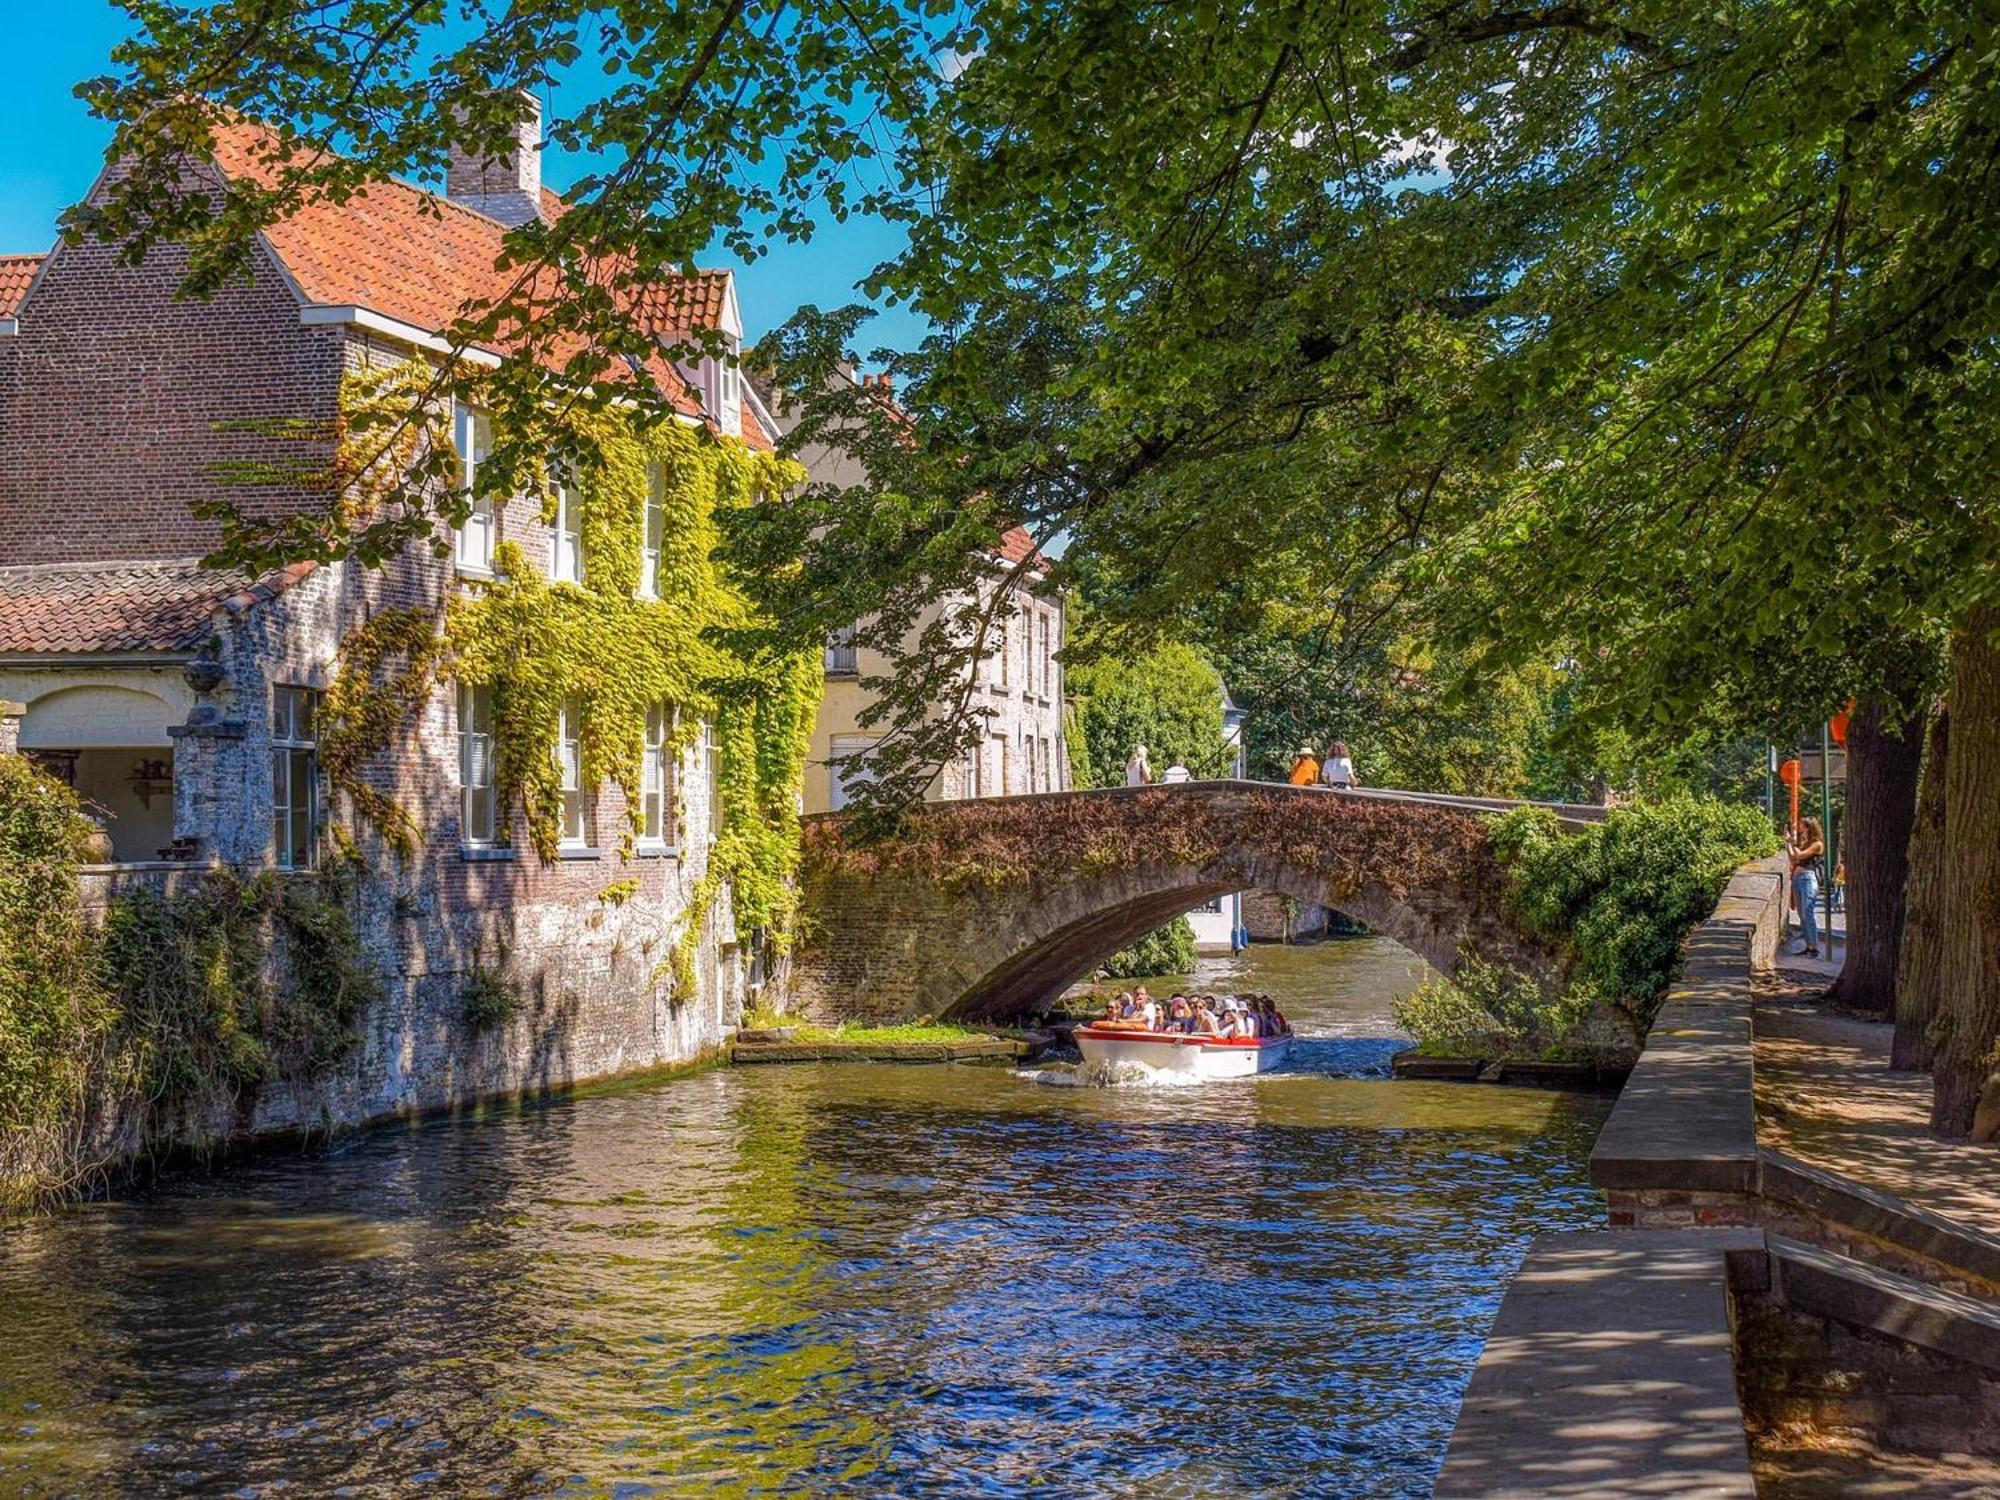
(1197, 1056)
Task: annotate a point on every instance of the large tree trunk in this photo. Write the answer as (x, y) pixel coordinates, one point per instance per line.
(1885, 751)
(1921, 978)
(1969, 1004)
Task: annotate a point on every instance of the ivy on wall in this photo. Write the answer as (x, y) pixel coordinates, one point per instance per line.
(610, 654)
(169, 1014)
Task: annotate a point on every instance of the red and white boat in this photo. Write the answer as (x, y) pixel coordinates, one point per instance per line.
(1174, 1052)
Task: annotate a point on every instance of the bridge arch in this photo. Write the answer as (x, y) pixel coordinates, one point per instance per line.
(987, 909)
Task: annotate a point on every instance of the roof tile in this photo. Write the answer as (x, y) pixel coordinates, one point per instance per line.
(122, 606)
(16, 271)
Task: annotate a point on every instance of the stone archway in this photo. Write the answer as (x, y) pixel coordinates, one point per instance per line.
(986, 909)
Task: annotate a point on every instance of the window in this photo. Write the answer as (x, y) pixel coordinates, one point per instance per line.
(727, 389)
(711, 770)
(569, 763)
(840, 655)
(473, 432)
(852, 767)
(970, 771)
(656, 533)
(294, 778)
(475, 764)
(656, 779)
(1051, 777)
(1002, 647)
(1048, 686)
(566, 554)
(1006, 785)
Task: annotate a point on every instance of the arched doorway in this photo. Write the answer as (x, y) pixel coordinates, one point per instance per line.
(111, 744)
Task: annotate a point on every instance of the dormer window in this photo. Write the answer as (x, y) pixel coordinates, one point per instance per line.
(726, 392)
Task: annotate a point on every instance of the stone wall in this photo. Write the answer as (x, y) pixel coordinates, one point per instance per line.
(1266, 918)
(1681, 1146)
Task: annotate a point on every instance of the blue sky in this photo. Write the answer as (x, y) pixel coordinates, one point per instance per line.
(51, 149)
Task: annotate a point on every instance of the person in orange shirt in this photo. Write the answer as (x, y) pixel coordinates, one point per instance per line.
(1305, 770)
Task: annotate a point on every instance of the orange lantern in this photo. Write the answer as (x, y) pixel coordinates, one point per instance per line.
(1789, 773)
(1837, 725)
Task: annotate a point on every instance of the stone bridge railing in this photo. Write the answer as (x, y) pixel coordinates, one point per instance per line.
(994, 906)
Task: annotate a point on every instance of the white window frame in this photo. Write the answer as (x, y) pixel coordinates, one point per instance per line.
(1005, 651)
(970, 770)
(711, 770)
(475, 752)
(474, 541)
(1048, 661)
(728, 386)
(659, 776)
(294, 759)
(843, 657)
(569, 768)
(566, 560)
(847, 774)
(654, 539)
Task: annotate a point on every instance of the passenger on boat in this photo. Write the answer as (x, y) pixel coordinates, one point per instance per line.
(1180, 1015)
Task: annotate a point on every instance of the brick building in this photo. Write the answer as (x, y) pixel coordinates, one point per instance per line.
(180, 701)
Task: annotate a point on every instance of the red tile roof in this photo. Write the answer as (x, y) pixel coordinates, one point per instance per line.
(16, 271)
(123, 606)
(425, 260)
(1017, 546)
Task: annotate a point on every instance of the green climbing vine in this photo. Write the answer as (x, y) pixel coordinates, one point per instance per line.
(167, 1015)
(609, 650)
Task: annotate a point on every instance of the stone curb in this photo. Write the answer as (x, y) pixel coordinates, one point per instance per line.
(1811, 1280)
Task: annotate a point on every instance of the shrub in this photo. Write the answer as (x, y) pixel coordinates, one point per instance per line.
(1623, 893)
(1484, 1009)
(54, 1017)
(488, 1000)
(1166, 950)
(203, 1015)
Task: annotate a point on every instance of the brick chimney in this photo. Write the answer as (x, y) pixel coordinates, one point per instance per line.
(509, 187)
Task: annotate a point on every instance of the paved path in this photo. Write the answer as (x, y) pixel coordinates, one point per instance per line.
(1825, 1095)
(1608, 1374)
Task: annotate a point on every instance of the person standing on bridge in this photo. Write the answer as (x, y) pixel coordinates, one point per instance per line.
(1305, 768)
(1338, 768)
(1175, 772)
(1138, 771)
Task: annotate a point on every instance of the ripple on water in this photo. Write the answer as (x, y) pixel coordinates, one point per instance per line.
(834, 1280)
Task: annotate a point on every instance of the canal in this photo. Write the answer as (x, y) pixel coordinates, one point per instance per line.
(839, 1279)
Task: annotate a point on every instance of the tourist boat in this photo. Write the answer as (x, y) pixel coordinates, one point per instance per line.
(1173, 1052)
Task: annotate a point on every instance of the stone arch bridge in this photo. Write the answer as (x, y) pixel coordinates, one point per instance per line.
(991, 907)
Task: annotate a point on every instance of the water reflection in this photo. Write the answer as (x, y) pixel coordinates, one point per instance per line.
(834, 1280)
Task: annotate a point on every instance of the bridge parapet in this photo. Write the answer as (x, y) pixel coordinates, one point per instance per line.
(990, 907)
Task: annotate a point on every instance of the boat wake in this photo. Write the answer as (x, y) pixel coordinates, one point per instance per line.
(1109, 1075)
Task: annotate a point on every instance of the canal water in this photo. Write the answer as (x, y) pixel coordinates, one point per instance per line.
(857, 1279)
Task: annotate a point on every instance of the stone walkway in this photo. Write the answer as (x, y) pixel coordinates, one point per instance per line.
(1825, 1095)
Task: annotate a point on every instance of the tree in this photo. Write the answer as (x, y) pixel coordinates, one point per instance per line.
(1920, 977)
(1645, 337)
(1169, 700)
